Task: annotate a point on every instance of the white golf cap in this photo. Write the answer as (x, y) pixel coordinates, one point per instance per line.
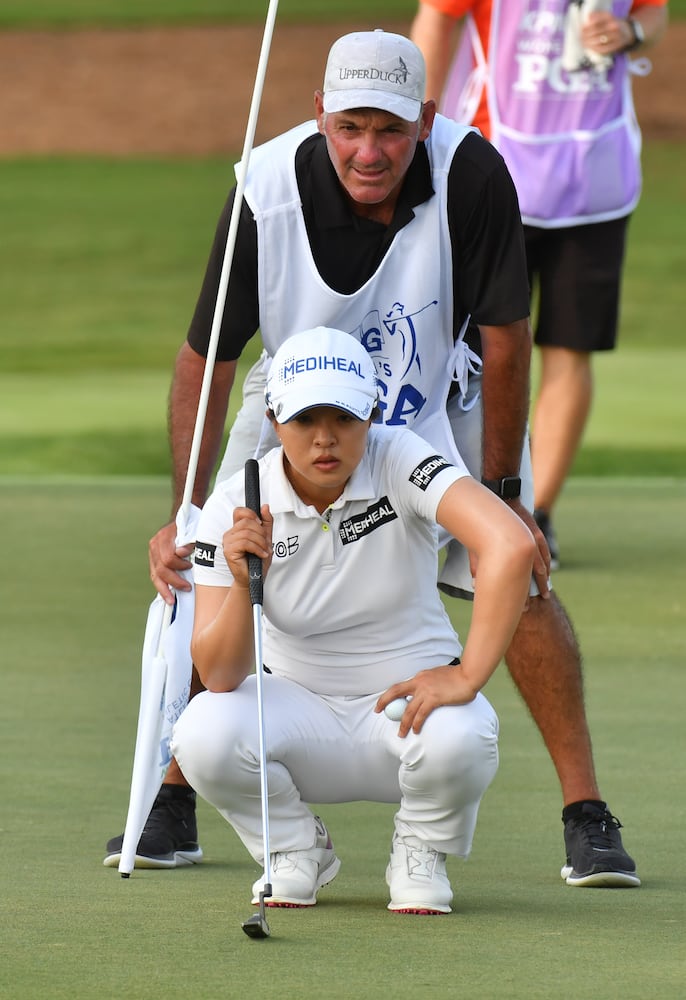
(321, 367)
(375, 69)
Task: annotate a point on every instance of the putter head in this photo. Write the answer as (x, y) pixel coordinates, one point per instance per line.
(256, 926)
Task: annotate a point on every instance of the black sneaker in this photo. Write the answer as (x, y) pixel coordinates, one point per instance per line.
(170, 834)
(542, 519)
(595, 854)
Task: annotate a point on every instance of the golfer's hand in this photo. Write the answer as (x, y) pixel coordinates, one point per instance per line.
(249, 535)
(427, 690)
(167, 562)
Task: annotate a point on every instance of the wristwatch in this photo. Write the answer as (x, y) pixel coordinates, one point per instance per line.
(507, 488)
(638, 33)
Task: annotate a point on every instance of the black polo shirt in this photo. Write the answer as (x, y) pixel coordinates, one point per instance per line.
(489, 264)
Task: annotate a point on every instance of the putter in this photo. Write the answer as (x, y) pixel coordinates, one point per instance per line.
(256, 926)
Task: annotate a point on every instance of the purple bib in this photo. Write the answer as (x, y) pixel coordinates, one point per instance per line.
(570, 139)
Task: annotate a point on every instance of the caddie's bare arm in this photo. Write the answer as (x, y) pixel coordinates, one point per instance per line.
(166, 561)
(436, 34)
(505, 402)
(222, 643)
(607, 34)
(505, 550)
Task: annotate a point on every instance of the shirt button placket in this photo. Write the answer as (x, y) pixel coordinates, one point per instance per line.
(330, 533)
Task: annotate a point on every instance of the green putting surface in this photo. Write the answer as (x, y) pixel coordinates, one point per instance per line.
(72, 616)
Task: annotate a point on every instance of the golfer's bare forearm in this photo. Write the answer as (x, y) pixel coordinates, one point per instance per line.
(183, 409)
(222, 642)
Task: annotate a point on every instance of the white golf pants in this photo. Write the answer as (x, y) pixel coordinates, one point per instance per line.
(336, 749)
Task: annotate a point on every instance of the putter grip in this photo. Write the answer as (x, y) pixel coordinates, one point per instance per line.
(252, 500)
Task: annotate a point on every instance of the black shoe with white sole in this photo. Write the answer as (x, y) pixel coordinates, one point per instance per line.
(170, 834)
(595, 853)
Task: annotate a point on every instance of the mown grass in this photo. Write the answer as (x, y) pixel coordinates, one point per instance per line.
(71, 13)
(68, 13)
(72, 622)
(100, 266)
(101, 261)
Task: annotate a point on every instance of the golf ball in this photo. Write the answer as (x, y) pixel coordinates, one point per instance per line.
(396, 709)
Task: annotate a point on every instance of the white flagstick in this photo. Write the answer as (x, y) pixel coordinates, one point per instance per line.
(228, 256)
(146, 740)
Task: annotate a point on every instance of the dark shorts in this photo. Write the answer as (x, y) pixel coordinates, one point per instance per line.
(575, 275)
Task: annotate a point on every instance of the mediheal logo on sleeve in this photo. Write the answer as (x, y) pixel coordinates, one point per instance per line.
(427, 471)
(204, 554)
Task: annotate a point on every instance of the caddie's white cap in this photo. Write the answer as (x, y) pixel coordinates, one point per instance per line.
(375, 69)
(321, 367)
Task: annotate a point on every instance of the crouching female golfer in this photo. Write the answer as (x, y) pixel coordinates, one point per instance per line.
(352, 620)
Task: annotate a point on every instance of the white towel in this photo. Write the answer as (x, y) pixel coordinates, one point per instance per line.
(574, 55)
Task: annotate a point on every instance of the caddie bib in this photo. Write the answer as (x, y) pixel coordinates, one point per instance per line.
(570, 139)
(403, 315)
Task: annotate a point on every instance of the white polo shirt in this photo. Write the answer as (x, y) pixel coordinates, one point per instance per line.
(350, 599)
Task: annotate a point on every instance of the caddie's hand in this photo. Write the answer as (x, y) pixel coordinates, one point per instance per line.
(602, 32)
(251, 535)
(541, 567)
(167, 562)
(427, 690)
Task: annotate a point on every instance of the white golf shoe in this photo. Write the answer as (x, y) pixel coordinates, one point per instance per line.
(297, 875)
(417, 878)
